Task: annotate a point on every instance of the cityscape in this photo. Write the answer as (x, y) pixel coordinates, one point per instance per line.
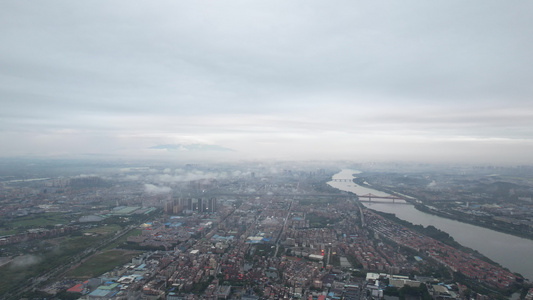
(255, 231)
(266, 150)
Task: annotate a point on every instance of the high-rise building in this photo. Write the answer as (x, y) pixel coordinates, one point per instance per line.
(212, 205)
(198, 205)
(186, 203)
(172, 206)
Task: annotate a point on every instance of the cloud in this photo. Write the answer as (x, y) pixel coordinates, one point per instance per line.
(277, 80)
(186, 176)
(192, 147)
(24, 261)
(154, 189)
(132, 177)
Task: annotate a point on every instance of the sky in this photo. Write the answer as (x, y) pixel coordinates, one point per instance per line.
(447, 81)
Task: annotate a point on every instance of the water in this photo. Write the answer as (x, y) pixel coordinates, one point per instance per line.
(512, 252)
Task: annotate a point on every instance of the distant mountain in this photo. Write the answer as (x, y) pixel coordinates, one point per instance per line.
(192, 147)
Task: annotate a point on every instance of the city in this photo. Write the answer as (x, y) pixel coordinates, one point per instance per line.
(242, 231)
(266, 150)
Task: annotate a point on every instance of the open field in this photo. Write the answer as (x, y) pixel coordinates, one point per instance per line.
(15, 273)
(4, 231)
(123, 239)
(101, 263)
(42, 220)
(58, 252)
(104, 230)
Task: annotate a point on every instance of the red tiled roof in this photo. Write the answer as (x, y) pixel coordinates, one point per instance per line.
(78, 288)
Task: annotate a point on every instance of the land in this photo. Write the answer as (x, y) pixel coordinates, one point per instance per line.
(228, 231)
(500, 199)
(100, 263)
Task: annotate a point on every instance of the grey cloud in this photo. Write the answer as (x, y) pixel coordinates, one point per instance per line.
(118, 77)
(154, 189)
(24, 261)
(188, 176)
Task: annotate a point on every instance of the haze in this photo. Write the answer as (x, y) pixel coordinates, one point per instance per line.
(410, 80)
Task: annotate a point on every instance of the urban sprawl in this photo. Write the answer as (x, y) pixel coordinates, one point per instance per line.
(165, 234)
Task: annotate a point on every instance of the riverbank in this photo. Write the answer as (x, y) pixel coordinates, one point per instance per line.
(511, 252)
(465, 264)
(424, 208)
(437, 234)
(421, 206)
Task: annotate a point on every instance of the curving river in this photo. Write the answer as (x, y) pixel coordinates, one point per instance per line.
(512, 252)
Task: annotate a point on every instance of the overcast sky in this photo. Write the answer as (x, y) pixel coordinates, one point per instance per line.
(376, 80)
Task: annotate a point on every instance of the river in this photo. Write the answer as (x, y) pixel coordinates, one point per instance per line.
(512, 252)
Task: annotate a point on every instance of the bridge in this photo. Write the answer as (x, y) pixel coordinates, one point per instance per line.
(342, 180)
(372, 196)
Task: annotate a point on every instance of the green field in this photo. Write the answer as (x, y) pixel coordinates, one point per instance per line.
(101, 263)
(104, 230)
(46, 219)
(15, 273)
(4, 231)
(317, 221)
(59, 252)
(123, 239)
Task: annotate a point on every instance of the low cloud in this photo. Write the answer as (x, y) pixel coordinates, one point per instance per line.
(154, 189)
(24, 261)
(189, 176)
(132, 177)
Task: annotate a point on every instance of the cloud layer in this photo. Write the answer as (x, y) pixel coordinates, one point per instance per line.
(280, 79)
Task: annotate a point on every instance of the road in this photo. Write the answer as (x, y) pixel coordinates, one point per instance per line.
(283, 228)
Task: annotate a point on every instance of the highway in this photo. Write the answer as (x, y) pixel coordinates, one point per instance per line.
(283, 228)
